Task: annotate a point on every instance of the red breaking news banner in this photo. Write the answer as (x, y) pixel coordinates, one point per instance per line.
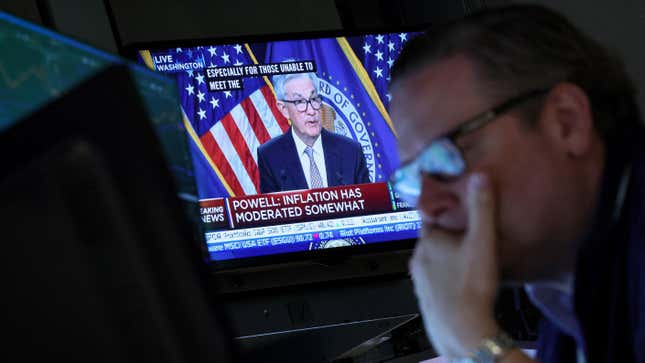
(213, 213)
(297, 206)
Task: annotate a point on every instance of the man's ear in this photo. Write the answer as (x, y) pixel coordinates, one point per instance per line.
(283, 108)
(568, 120)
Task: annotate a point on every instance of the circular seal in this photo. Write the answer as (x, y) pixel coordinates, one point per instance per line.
(348, 120)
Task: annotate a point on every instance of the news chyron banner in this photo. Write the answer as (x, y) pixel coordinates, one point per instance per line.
(297, 206)
(307, 219)
(229, 105)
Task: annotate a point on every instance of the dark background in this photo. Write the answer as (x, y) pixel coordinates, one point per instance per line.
(372, 317)
(618, 24)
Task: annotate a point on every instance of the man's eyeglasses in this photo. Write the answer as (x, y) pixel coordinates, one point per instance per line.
(302, 104)
(442, 158)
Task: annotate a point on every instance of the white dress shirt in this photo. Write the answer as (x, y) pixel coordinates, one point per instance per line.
(319, 158)
(555, 301)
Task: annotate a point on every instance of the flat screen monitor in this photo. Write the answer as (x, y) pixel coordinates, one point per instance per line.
(250, 107)
(43, 66)
(103, 263)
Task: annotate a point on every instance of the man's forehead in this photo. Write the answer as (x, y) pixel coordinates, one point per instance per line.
(452, 76)
(445, 90)
(435, 98)
(303, 86)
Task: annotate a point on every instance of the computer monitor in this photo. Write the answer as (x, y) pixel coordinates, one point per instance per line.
(257, 204)
(101, 260)
(43, 65)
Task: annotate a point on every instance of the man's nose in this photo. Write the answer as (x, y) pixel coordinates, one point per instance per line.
(436, 198)
(310, 109)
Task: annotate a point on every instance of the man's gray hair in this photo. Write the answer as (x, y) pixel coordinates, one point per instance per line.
(280, 80)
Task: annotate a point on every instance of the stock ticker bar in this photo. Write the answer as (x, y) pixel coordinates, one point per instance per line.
(371, 227)
(297, 206)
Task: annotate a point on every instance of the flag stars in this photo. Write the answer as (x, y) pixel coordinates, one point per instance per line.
(390, 46)
(200, 78)
(238, 48)
(202, 114)
(178, 50)
(389, 97)
(225, 58)
(237, 63)
(190, 89)
(379, 72)
(337, 83)
(214, 102)
(390, 61)
(345, 89)
(379, 39)
(363, 114)
(379, 55)
(228, 94)
(190, 72)
(367, 48)
(212, 50)
(403, 36)
(201, 96)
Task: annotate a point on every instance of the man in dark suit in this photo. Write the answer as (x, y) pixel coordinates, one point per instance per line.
(307, 156)
(524, 154)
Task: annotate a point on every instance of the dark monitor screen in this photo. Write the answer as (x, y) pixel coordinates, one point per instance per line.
(249, 124)
(41, 66)
(101, 256)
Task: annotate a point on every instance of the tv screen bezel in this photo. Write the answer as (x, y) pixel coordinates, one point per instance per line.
(327, 257)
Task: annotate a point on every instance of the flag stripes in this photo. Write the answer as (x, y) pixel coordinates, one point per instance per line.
(233, 141)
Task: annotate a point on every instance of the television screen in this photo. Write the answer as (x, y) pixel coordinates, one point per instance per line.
(253, 109)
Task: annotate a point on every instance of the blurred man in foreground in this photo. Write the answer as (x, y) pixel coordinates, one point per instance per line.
(523, 152)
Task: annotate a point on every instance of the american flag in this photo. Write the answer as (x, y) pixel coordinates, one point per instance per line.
(378, 53)
(230, 125)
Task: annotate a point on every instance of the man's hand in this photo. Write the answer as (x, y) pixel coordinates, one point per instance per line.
(456, 276)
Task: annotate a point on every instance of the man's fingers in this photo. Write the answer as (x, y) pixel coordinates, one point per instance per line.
(438, 242)
(433, 244)
(481, 214)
